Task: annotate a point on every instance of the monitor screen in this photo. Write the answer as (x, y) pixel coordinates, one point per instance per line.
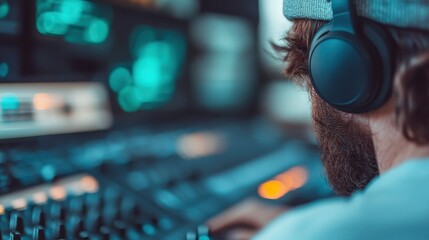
(126, 62)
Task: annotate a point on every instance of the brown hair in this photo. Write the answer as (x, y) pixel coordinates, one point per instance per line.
(411, 91)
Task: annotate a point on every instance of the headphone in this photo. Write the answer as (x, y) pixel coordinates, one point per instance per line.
(351, 66)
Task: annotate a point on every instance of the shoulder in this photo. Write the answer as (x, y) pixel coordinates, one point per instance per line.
(393, 207)
(361, 217)
(316, 221)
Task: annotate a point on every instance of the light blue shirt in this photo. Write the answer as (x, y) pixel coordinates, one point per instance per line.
(394, 206)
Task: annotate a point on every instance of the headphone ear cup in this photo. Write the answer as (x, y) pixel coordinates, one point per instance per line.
(342, 70)
(382, 47)
(353, 73)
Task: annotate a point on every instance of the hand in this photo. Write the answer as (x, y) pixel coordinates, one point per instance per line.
(243, 220)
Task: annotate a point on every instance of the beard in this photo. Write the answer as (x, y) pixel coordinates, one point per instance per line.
(347, 148)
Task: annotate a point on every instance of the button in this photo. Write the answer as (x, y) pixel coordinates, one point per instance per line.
(58, 212)
(4, 221)
(77, 225)
(83, 236)
(149, 229)
(121, 228)
(165, 223)
(76, 205)
(168, 199)
(186, 192)
(38, 217)
(161, 222)
(203, 232)
(137, 180)
(94, 200)
(94, 221)
(191, 236)
(59, 230)
(104, 233)
(110, 214)
(133, 234)
(15, 236)
(129, 208)
(39, 234)
(16, 223)
(48, 172)
(111, 195)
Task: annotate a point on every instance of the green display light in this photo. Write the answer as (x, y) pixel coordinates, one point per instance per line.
(158, 57)
(130, 99)
(4, 70)
(4, 9)
(71, 11)
(50, 23)
(147, 72)
(97, 32)
(77, 21)
(119, 78)
(9, 102)
(154, 70)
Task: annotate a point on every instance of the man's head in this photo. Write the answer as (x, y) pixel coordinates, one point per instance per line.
(346, 139)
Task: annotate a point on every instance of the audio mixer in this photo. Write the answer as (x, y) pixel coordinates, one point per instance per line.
(137, 184)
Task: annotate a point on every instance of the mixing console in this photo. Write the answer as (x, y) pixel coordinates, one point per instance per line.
(139, 184)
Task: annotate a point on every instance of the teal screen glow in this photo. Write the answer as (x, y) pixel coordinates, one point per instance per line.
(9, 102)
(4, 9)
(150, 79)
(77, 21)
(4, 69)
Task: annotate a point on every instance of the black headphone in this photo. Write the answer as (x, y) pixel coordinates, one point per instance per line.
(351, 66)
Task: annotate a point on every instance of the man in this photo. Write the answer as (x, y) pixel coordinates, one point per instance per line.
(376, 156)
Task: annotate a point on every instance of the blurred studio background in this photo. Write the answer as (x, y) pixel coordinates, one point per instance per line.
(180, 106)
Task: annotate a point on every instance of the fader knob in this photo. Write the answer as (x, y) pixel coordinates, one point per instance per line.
(83, 236)
(191, 236)
(16, 224)
(60, 230)
(105, 233)
(39, 234)
(15, 236)
(38, 217)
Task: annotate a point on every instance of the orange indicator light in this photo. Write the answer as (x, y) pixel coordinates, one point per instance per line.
(58, 193)
(89, 184)
(273, 190)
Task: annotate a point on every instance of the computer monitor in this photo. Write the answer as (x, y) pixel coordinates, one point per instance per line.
(128, 62)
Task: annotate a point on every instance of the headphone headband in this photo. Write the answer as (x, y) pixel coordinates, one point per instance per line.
(398, 13)
(340, 6)
(342, 16)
